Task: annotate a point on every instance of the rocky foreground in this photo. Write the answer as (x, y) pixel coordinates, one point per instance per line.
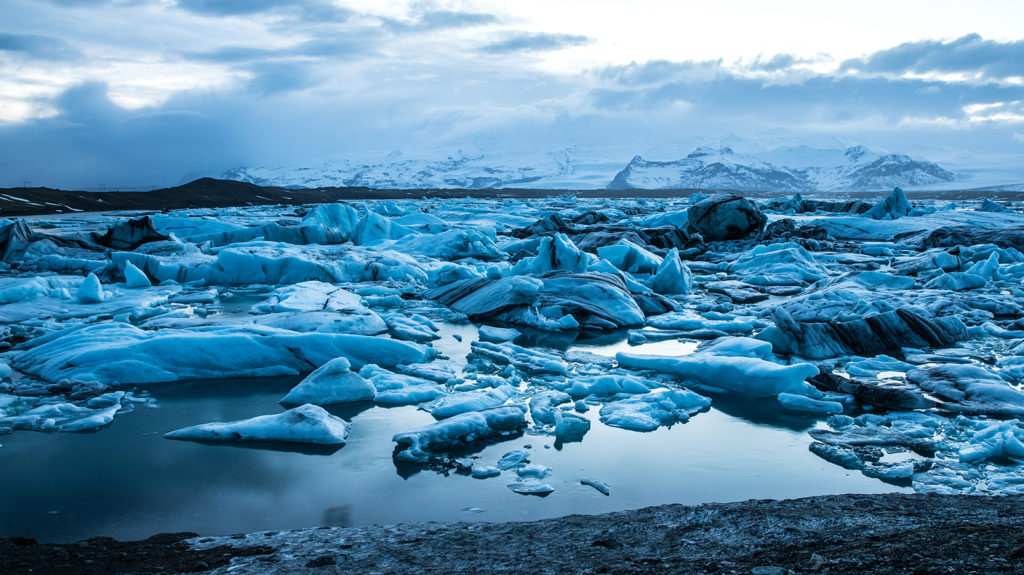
(894, 533)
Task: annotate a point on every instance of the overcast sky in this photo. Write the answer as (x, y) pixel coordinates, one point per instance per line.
(153, 92)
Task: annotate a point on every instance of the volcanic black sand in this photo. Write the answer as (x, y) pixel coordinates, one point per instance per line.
(211, 193)
(893, 533)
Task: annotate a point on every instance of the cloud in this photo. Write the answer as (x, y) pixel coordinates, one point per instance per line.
(434, 19)
(39, 47)
(542, 42)
(271, 78)
(971, 55)
(304, 10)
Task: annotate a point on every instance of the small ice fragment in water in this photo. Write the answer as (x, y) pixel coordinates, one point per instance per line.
(531, 487)
(598, 485)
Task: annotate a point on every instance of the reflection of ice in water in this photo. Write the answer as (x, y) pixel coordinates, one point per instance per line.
(338, 516)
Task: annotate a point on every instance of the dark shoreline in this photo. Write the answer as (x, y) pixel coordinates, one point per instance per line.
(883, 534)
(211, 193)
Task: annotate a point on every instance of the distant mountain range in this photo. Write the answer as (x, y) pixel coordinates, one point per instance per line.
(853, 169)
(783, 169)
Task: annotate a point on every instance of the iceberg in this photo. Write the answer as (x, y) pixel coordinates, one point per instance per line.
(304, 424)
(420, 444)
(119, 353)
(332, 382)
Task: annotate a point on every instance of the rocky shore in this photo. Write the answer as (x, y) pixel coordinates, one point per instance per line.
(893, 533)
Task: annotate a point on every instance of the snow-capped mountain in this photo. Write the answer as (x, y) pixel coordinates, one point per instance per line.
(565, 168)
(790, 169)
(794, 168)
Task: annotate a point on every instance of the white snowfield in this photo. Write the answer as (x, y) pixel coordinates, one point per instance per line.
(890, 331)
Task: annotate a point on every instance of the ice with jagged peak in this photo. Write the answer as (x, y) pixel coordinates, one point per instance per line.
(672, 276)
(735, 364)
(332, 382)
(556, 252)
(121, 353)
(629, 257)
(304, 424)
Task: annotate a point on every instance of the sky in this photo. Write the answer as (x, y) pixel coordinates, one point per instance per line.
(152, 93)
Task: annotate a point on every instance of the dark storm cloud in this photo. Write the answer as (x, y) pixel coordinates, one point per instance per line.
(39, 47)
(970, 54)
(535, 43)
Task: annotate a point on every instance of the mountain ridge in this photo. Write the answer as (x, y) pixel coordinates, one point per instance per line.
(795, 169)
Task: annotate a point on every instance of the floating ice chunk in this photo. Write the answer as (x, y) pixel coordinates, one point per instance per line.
(5, 371)
(92, 422)
(880, 280)
(531, 487)
(533, 471)
(451, 245)
(554, 253)
(722, 368)
(448, 273)
(607, 385)
(529, 360)
(652, 410)
(871, 367)
(484, 472)
(497, 334)
(988, 269)
(996, 441)
(91, 291)
(600, 486)
(459, 431)
(972, 388)
(956, 281)
(795, 402)
(629, 257)
(134, 277)
(544, 405)
(725, 217)
(304, 424)
(456, 403)
(589, 358)
(687, 322)
(891, 208)
(870, 335)
(988, 205)
(337, 217)
(513, 459)
(569, 427)
(121, 353)
(332, 382)
(672, 275)
(778, 264)
(374, 228)
(556, 301)
(416, 328)
(399, 389)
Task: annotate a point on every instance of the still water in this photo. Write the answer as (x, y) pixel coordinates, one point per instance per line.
(128, 482)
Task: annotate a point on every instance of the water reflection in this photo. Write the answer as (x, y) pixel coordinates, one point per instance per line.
(127, 481)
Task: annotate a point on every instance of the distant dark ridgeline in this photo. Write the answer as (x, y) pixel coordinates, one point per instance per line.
(212, 193)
